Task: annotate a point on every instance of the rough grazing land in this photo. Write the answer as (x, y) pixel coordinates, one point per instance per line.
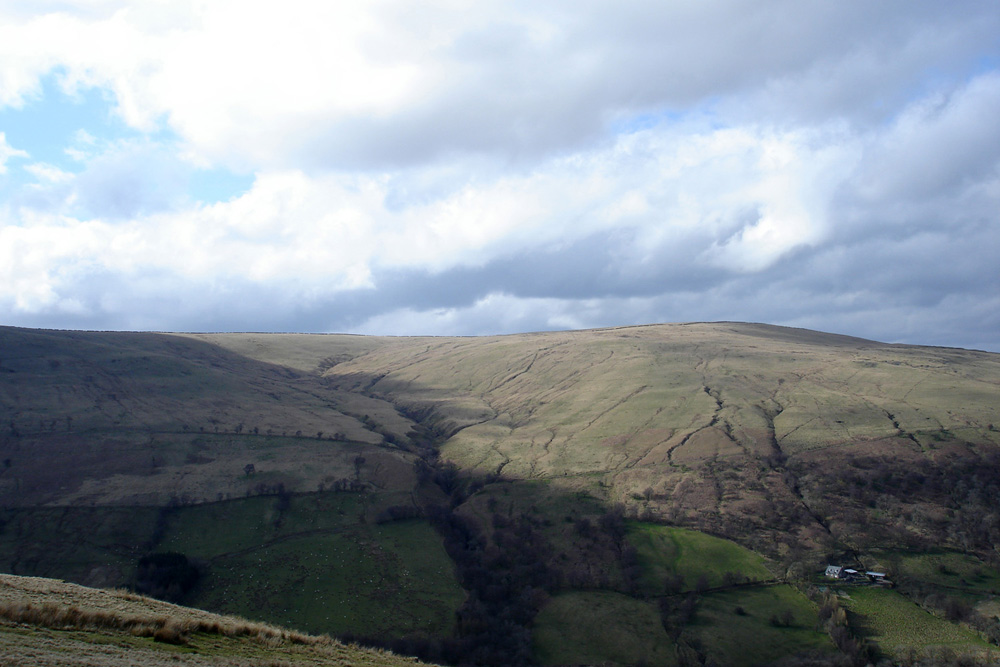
(721, 426)
(48, 623)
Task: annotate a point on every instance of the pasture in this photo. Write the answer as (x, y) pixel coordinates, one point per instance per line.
(666, 551)
(896, 623)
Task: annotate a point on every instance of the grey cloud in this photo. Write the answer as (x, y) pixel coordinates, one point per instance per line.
(896, 295)
(943, 144)
(522, 97)
(126, 180)
(131, 179)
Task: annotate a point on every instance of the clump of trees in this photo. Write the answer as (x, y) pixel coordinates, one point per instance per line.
(833, 619)
(167, 576)
(508, 580)
(399, 513)
(967, 487)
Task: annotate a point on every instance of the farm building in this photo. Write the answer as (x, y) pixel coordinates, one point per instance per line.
(850, 575)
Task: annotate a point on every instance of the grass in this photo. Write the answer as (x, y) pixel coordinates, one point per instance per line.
(99, 545)
(950, 570)
(666, 551)
(316, 566)
(896, 623)
(589, 386)
(124, 418)
(732, 627)
(681, 421)
(735, 627)
(729, 627)
(601, 628)
(46, 623)
(320, 564)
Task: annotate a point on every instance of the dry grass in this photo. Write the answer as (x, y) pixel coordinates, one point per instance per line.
(167, 629)
(699, 415)
(75, 625)
(93, 407)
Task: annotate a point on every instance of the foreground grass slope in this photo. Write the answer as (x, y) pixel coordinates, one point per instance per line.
(46, 622)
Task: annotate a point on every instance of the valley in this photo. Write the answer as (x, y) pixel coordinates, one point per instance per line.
(667, 494)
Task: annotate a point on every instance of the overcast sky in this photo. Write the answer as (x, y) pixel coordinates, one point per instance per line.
(401, 167)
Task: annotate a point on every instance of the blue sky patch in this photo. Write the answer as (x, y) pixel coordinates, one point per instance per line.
(49, 124)
(217, 185)
(72, 131)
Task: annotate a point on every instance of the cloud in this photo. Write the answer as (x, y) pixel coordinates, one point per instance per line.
(131, 179)
(388, 84)
(943, 143)
(654, 196)
(119, 180)
(8, 152)
(511, 166)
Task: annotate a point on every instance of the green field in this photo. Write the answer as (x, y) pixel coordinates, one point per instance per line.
(751, 638)
(896, 623)
(665, 551)
(601, 628)
(732, 627)
(316, 566)
(612, 628)
(98, 546)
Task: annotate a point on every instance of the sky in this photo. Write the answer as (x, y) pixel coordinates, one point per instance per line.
(463, 168)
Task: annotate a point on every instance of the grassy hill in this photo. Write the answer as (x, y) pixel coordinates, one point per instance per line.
(121, 418)
(45, 622)
(722, 426)
(486, 500)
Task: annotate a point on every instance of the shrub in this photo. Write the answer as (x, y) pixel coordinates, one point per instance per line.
(171, 633)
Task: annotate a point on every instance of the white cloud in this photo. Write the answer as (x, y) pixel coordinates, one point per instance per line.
(790, 191)
(47, 173)
(496, 312)
(331, 233)
(7, 152)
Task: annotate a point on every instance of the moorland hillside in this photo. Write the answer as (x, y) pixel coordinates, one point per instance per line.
(665, 493)
(784, 438)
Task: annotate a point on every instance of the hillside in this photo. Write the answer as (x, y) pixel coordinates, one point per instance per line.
(112, 419)
(486, 500)
(725, 426)
(44, 622)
